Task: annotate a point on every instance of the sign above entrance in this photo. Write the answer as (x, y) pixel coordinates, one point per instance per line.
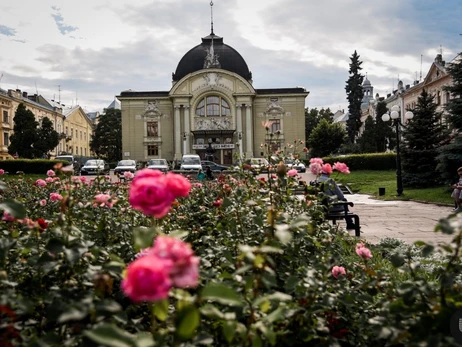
(215, 146)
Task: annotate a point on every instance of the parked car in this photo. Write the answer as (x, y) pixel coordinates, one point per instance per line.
(213, 166)
(158, 164)
(295, 164)
(258, 165)
(71, 160)
(190, 162)
(95, 167)
(124, 166)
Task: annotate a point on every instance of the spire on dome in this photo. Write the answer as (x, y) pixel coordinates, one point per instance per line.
(211, 18)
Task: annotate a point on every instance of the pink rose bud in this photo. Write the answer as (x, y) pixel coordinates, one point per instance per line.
(338, 271)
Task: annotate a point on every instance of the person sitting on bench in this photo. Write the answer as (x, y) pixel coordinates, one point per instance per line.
(332, 189)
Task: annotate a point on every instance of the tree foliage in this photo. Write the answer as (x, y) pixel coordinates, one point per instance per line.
(313, 116)
(326, 138)
(48, 138)
(367, 141)
(422, 138)
(106, 141)
(355, 93)
(450, 155)
(25, 133)
(384, 133)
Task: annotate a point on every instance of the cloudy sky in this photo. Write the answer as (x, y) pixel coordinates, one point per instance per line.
(88, 51)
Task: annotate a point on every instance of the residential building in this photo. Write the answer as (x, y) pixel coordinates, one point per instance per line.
(78, 130)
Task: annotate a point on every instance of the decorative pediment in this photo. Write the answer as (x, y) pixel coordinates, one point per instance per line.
(152, 110)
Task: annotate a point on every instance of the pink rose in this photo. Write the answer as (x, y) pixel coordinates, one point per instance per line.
(49, 180)
(2, 172)
(327, 169)
(315, 168)
(103, 200)
(338, 271)
(341, 167)
(147, 279)
(198, 185)
(40, 183)
(55, 197)
(8, 217)
(316, 161)
(185, 270)
(292, 173)
(83, 179)
(150, 193)
(363, 252)
(128, 175)
(43, 202)
(218, 202)
(178, 184)
(51, 173)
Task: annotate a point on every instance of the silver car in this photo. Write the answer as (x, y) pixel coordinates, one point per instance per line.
(95, 167)
(124, 166)
(158, 164)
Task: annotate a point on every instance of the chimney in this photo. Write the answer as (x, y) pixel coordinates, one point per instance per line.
(408, 86)
(18, 90)
(388, 95)
(24, 94)
(439, 59)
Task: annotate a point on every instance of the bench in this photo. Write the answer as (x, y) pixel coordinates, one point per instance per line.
(334, 216)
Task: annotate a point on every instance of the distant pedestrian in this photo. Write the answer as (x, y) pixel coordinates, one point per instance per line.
(457, 192)
(201, 175)
(209, 173)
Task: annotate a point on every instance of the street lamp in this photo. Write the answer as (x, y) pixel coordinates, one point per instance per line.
(396, 122)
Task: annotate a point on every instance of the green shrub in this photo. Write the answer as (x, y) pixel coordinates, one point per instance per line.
(369, 161)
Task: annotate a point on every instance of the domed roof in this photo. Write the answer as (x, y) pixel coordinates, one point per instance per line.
(227, 59)
(366, 82)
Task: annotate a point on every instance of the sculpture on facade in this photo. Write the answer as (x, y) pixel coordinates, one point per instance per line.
(211, 59)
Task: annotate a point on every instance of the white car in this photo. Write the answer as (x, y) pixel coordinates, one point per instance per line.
(190, 162)
(158, 164)
(124, 166)
(295, 164)
(95, 167)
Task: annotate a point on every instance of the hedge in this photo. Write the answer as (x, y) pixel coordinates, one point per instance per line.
(368, 161)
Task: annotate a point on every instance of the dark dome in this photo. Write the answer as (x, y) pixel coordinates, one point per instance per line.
(228, 58)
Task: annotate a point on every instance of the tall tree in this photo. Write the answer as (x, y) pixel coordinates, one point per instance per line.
(422, 138)
(311, 121)
(326, 114)
(106, 141)
(326, 138)
(450, 155)
(48, 138)
(25, 133)
(384, 133)
(355, 93)
(367, 141)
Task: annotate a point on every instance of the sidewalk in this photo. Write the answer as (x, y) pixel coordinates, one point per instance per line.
(405, 220)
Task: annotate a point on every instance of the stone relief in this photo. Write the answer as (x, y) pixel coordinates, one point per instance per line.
(211, 79)
(152, 110)
(213, 124)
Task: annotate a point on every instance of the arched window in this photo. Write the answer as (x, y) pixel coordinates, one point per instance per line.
(213, 106)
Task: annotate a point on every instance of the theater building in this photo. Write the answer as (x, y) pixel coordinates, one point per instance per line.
(212, 102)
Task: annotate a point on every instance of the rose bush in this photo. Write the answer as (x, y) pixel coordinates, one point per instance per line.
(261, 267)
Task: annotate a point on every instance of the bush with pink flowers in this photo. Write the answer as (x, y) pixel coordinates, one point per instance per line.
(240, 261)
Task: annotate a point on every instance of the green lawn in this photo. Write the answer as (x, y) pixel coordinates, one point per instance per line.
(368, 182)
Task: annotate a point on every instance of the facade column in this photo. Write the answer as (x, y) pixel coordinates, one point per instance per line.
(239, 128)
(177, 132)
(187, 131)
(248, 132)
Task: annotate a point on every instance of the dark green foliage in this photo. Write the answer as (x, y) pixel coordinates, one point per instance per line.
(312, 118)
(423, 136)
(384, 133)
(450, 155)
(326, 138)
(25, 133)
(368, 138)
(29, 166)
(106, 141)
(47, 140)
(369, 161)
(355, 95)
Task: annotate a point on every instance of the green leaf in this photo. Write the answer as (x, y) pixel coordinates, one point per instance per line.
(54, 246)
(229, 329)
(110, 335)
(73, 314)
(187, 322)
(397, 260)
(5, 246)
(144, 339)
(285, 236)
(427, 250)
(13, 208)
(211, 311)
(160, 309)
(222, 294)
(144, 237)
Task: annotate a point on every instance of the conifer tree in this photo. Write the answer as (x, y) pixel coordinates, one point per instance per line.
(48, 139)
(423, 136)
(450, 155)
(25, 133)
(384, 133)
(355, 93)
(367, 141)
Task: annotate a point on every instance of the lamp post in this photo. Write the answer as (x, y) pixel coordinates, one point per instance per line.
(396, 122)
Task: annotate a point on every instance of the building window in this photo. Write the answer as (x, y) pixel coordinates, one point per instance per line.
(85, 151)
(152, 129)
(448, 96)
(76, 150)
(72, 132)
(200, 141)
(5, 117)
(213, 106)
(6, 139)
(438, 97)
(275, 125)
(153, 150)
(81, 134)
(85, 136)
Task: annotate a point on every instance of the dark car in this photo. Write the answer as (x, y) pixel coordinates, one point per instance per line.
(213, 166)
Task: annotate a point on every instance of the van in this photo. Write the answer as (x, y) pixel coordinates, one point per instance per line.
(69, 158)
(190, 162)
